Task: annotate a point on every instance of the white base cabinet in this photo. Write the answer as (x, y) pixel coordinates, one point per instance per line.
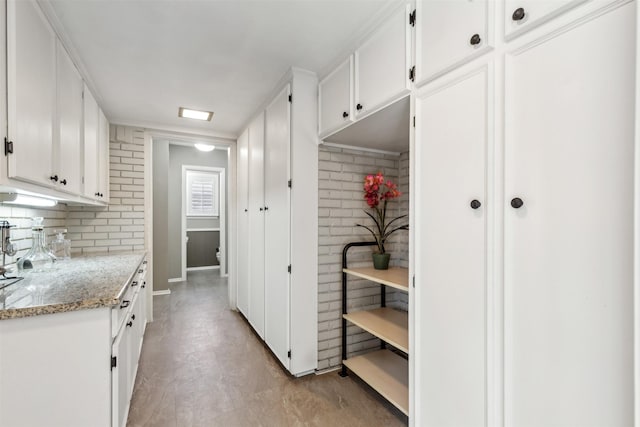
(72, 369)
(281, 228)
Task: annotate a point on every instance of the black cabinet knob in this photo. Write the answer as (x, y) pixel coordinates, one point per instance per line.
(518, 14)
(359, 107)
(517, 203)
(266, 208)
(63, 182)
(475, 204)
(125, 303)
(475, 40)
(134, 284)
(246, 210)
(97, 194)
(144, 284)
(54, 178)
(130, 323)
(261, 209)
(133, 317)
(345, 115)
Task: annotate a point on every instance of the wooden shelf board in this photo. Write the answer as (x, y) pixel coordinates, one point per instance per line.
(385, 323)
(387, 373)
(396, 277)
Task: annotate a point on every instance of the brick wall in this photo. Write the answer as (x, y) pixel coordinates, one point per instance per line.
(341, 204)
(119, 226)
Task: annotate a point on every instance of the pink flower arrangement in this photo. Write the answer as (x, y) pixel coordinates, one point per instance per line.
(377, 191)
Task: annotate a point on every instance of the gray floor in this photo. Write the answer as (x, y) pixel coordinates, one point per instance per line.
(201, 365)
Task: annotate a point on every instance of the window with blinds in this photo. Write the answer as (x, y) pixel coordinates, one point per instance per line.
(203, 193)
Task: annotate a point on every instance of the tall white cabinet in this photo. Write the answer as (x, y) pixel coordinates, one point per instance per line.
(524, 202)
(279, 294)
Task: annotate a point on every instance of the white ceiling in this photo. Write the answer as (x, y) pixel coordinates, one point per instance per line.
(146, 58)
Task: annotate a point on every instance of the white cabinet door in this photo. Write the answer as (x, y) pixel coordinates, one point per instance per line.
(103, 156)
(450, 291)
(382, 64)
(68, 135)
(523, 15)
(277, 224)
(120, 378)
(256, 224)
(449, 33)
(31, 90)
(91, 126)
(335, 98)
(243, 223)
(569, 141)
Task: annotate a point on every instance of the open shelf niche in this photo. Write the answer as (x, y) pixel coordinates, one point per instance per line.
(377, 143)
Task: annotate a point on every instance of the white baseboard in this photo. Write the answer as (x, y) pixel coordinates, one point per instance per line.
(207, 267)
(177, 279)
(162, 292)
(328, 370)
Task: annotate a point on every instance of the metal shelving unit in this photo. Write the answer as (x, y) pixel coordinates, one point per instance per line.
(385, 370)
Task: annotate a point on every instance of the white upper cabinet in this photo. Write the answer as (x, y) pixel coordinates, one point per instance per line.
(523, 15)
(448, 34)
(336, 98)
(68, 135)
(382, 64)
(91, 127)
(103, 156)
(31, 90)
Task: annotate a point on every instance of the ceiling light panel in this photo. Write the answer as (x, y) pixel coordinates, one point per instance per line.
(195, 114)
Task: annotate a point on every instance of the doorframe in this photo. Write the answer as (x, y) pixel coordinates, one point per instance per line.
(222, 208)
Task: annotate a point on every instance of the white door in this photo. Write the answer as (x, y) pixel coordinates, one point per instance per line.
(243, 223)
(277, 225)
(31, 90)
(335, 98)
(69, 124)
(103, 156)
(91, 125)
(382, 64)
(449, 33)
(256, 224)
(569, 148)
(450, 290)
(523, 15)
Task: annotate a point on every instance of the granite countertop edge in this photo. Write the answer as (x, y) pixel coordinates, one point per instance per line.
(109, 298)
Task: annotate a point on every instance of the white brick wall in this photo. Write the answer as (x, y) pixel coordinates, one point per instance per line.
(341, 205)
(119, 226)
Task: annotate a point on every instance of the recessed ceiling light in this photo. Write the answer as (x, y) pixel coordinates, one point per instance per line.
(194, 114)
(205, 147)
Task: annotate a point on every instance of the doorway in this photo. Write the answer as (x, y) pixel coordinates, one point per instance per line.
(203, 219)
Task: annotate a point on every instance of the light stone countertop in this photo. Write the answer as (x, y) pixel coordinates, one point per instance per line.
(83, 282)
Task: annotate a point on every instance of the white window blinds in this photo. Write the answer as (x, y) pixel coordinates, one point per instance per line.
(202, 193)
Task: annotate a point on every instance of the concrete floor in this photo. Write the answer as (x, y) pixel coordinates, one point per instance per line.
(201, 365)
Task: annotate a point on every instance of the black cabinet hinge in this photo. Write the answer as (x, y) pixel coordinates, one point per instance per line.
(412, 18)
(8, 146)
(114, 362)
(289, 184)
(412, 73)
(290, 98)
(289, 268)
(289, 354)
